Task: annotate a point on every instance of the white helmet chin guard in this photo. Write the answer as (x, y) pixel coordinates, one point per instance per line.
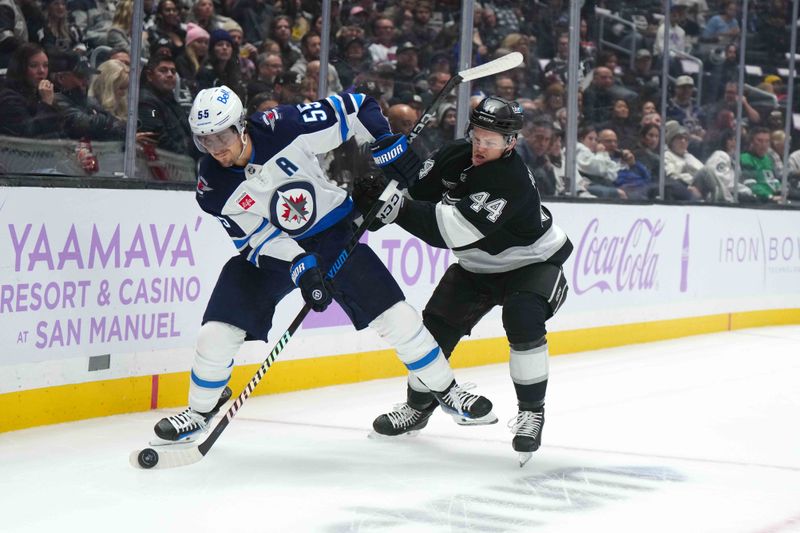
(215, 110)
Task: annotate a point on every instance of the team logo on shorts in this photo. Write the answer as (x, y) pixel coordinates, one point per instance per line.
(293, 207)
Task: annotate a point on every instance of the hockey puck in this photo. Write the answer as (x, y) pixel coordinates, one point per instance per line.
(148, 458)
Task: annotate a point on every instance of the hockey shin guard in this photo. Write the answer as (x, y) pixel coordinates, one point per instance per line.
(529, 366)
(217, 344)
(401, 326)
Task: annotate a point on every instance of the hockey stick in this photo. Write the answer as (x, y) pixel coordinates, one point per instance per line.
(168, 458)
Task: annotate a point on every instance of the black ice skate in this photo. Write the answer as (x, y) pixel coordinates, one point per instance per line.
(403, 420)
(527, 429)
(188, 425)
(467, 409)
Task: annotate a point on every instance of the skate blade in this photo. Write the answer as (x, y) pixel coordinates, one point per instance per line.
(485, 420)
(378, 436)
(524, 457)
(158, 441)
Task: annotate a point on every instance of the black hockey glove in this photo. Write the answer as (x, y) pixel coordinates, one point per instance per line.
(366, 191)
(397, 160)
(307, 275)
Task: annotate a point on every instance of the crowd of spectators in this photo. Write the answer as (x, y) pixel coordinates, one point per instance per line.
(67, 66)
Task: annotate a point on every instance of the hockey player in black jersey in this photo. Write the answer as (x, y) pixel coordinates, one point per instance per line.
(477, 197)
(289, 223)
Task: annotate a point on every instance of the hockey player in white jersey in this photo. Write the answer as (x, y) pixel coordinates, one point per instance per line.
(477, 197)
(261, 179)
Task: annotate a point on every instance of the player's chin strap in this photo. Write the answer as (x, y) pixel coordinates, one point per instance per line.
(243, 138)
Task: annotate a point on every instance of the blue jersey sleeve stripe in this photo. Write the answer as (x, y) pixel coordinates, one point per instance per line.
(348, 103)
(254, 254)
(337, 105)
(359, 99)
(241, 242)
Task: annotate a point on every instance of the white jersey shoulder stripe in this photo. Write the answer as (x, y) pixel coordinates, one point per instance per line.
(456, 230)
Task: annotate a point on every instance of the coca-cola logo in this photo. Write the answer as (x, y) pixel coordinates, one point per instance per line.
(625, 262)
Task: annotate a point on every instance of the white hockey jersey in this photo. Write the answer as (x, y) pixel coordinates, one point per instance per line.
(283, 195)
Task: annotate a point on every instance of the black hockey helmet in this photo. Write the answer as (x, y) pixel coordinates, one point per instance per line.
(499, 115)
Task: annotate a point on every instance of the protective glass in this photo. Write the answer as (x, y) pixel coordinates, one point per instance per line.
(218, 141)
(483, 143)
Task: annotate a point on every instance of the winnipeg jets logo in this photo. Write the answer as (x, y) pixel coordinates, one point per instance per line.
(293, 208)
(202, 186)
(270, 117)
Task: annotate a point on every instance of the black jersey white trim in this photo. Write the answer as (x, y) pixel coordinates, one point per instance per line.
(481, 262)
(456, 230)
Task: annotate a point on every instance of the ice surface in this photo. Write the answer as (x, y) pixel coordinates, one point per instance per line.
(693, 435)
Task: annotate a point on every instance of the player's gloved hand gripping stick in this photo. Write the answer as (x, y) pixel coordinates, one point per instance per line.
(172, 457)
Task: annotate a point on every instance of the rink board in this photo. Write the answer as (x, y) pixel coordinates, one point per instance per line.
(102, 292)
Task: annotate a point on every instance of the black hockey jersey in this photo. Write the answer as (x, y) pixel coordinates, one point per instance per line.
(491, 216)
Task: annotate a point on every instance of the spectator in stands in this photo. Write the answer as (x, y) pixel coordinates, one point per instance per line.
(558, 67)
(407, 72)
(632, 176)
(248, 54)
(59, 34)
(488, 29)
(598, 99)
(724, 27)
(262, 102)
(270, 66)
(168, 27)
(205, 16)
(677, 35)
(281, 32)
(721, 164)
(119, 35)
(622, 123)
(758, 171)
(436, 82)
(594, 164)
(384, 46)
(311, 45)
(771, 27)
(13, 30)
(194, 53)
(28, 97)
(421, 32)
(82, 118)
(538, 134)
(445, 128)
(287, 87)
(729, 99)
(723, 123)
(312, 73)
(683, 108)
(646, 150)
(254, 16)
(221, 67)
(159, 112)
(777, 140)
(355, 60)
(92, 18)
(642, 79)
(681, 165)
(505, 87)
(553, 99)
(109, 89)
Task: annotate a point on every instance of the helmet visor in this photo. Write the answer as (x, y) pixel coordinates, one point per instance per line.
(217, 142)
(489, 144)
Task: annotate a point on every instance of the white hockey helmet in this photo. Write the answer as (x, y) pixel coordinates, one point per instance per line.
(215, 110)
